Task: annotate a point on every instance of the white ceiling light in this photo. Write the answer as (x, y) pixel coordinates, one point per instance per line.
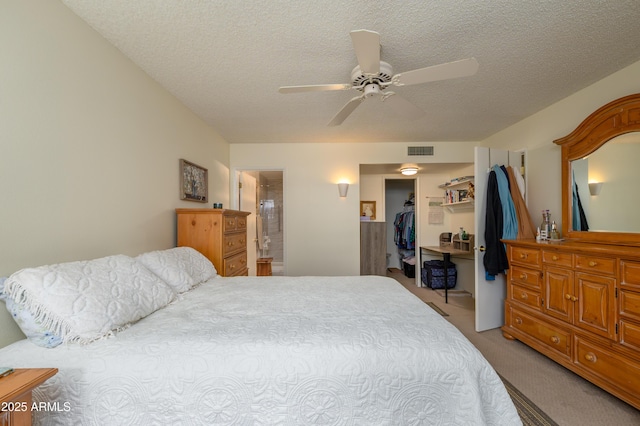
(409, 169)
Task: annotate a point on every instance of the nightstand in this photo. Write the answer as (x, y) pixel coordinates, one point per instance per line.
(15, 394)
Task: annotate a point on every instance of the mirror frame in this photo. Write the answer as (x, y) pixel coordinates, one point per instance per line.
(613, 119)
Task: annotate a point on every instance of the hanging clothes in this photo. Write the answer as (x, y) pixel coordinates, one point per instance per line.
(526, 229)
(404, 229)
(584, 225)
(578, 216)
(495, 256)
(509, 217)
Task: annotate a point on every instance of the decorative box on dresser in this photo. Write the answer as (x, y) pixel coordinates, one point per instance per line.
(219, 234)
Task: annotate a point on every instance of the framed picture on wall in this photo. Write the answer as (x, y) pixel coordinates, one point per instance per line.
(368, 209)
(194, 182)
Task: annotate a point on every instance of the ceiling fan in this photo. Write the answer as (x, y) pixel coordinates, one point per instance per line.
(372, 77)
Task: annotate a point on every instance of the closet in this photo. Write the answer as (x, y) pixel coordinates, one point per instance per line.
(396, 193)
(404, 236)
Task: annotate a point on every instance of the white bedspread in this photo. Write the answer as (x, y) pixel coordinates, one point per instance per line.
(275, 350)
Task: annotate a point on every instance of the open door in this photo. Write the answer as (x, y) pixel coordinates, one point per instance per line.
(489, 295)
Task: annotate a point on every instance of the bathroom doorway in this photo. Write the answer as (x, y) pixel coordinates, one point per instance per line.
(267, 235)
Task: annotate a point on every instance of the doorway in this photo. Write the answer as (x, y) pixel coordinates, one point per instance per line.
(265, 201)
(399, 198)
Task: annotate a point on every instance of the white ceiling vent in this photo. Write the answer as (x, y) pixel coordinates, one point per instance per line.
(420, 150)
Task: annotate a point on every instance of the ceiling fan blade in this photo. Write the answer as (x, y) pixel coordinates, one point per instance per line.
(346, 111)
(367, 46)
(462, 68)
(314, 88)
(402, 106)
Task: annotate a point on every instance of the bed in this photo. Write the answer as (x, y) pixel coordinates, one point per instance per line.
(209, 350)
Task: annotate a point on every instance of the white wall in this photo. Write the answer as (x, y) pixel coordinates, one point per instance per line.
(616, 207)
(537, 133)
(372, 189)
(89, 146)
(373, 185)
(322, 231)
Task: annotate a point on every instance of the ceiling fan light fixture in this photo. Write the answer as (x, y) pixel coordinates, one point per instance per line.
(383, 78)
(372, 76)
(372, 89)
(409, 169)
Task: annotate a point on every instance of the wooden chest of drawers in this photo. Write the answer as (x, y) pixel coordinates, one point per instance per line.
(219, 234)
(579, 304)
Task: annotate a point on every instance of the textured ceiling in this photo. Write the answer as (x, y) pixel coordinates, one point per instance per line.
(225, 60)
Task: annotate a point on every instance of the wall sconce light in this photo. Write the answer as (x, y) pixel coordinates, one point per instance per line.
(595, 187)
(343, 188)
(409, 169)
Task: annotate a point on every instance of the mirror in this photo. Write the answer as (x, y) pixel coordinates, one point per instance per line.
(604, 181)
(603, 149)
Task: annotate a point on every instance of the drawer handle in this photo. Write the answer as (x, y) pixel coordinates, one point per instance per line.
(242, 241)
(555, 339)
(555, 257)
(523, 256)
(230, 244)
(243, 261)
(523, 276)
(591, 357)
(592, 263)
(523, 296)
(567, 296)
(574, 299)
(518, 320)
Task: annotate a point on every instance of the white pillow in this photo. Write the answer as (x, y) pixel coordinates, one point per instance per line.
(31, 328)
(180, 267)
(85, 301)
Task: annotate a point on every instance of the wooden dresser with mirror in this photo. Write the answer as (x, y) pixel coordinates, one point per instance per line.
(577, 301)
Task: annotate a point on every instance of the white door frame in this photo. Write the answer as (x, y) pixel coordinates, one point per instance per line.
(416, 207)
(248, 199)
(234, 199)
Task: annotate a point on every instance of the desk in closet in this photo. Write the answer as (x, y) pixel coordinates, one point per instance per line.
(447, 252)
